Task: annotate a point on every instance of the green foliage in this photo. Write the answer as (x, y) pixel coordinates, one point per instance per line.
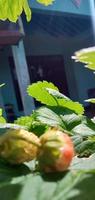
(83, 137)
(11, 10)
(79, 127)
(18, 183)
(83, 130)
(25, 121)
(71, 120)
(86, 56)
(51, 118)
(38, 91)
(31, 124)
(8, 171)
(38, 128)
(74, 106)
(84, 147)
(26, 181)
(23, 182)
(86, 164)
(92, 100)
(0, 112)
(47, 116)
(1, 85)
(2, 119)
(46, 2)
(48, 94)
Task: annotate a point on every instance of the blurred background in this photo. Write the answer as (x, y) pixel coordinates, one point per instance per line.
(42, 50)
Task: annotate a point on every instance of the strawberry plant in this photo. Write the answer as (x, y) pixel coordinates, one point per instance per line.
(52, 149)
(56, 152)
(51, 153)
(11, 10)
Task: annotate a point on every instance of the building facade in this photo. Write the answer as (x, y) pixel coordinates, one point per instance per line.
(42, 50)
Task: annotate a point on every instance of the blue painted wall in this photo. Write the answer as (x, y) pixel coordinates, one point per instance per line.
(63, 6)
(42, 43)
(7, 91)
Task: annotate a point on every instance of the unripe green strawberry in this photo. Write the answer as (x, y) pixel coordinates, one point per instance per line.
(18, 146)
(56, 151)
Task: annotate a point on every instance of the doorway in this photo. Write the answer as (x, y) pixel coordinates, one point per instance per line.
(49, 68)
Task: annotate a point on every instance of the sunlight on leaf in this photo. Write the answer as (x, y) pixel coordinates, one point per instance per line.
(56, 94)
(38, 91)
(74, 106)
(47, 116)
(86, 56)
(92, 100)
(45, 2)
(34, 186)
(11, 10)
(1, 85)
(47, 93)
(2, 119)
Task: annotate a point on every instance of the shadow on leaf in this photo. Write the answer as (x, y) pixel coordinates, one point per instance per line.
(85, 188)
(53, 177)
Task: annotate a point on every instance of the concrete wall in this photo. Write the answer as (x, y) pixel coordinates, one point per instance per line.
(65, 6)
(79, 79)
(41, 43)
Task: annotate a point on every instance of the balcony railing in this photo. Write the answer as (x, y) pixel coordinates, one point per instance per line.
(10, 33)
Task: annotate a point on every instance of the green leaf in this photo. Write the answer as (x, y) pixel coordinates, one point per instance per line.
(38, 128)
(7, 172)
(45, 2)
(47, 116)
(90, 123)
(64, 101)
(31, 124)
(74, 106)
(34, 187)
(2, 120)
(71, 120)
(0, 112)
(86, 56)
(72, 185)
(11, 10)
(83, 130)
(38, 91)
(17, 183)
(25, 121)
(85, 188)
(1, 85)
(86, 164)
(49, 95)
(84, 137)
(92, 100)
(51, 118)
(27, 10)
(56, 94)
